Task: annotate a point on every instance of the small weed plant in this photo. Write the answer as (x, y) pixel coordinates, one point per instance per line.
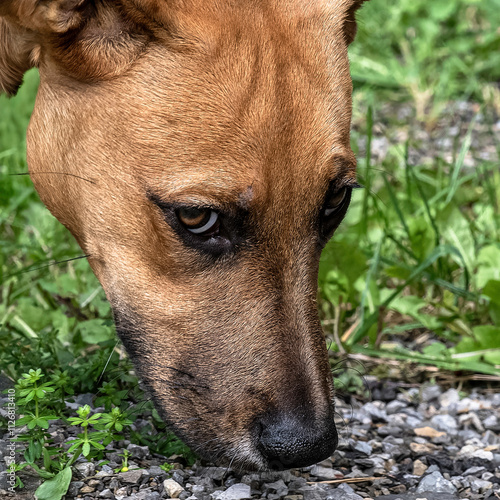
(39, 405)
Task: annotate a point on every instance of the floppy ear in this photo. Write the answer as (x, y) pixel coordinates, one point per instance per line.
(350, 26)
(16, 48)
(88, 40)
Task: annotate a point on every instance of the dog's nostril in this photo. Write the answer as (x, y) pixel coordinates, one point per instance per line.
(288, 442)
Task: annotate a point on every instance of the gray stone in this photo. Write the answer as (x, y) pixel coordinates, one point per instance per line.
(105, 471)
(269, 477)
(387, 430)
(216, 473)
(480, 485)
(155, 470)
(474, 471)
(295, 485)
(139, 452)
(131, 476)
(392, 450)
(395, 407)
(74, 488)
(114, 484)
(428, 495)
(250, 478)
(362, 447)
(106, 493)
(343, 492)
(490, 438)
(179, 477)
(81, 400)
(471, 451)
(437, 483)
(278, 487)
(471, 419)
(469, 404)
(85, 469)
(375, 411)
(324, 473)
(430, 392)
(491, 422)
(238, 491)
(146, 494)
(412, 421)
(444, 423)
(312, 492)
(449, 399)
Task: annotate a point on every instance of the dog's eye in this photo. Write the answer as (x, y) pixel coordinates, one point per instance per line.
(201, 221)
(335, 202)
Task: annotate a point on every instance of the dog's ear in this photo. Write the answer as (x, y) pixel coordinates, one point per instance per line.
(350, 26)
(88, 40)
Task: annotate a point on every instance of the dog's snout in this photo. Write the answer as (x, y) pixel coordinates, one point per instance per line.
(289, 441)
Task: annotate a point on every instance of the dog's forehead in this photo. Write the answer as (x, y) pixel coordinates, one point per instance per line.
(250, 104)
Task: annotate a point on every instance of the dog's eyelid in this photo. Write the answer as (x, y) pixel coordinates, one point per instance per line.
(337, 185)
(355, 185)
(172, 205)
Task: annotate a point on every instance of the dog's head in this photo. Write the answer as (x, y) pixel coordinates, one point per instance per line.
(198, 150)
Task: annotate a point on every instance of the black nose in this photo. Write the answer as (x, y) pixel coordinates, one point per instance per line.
(290, 441)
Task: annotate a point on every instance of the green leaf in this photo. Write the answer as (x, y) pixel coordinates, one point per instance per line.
(43, 423)
(42, 473)
(74, 446)
(86, 448)
(493, 357)
(97, 445)
(436, 350)
(492, 291)
(467, 344)
(94, 331)
(30, 395)
(488, 262)
(55, 488)
(75, 420)
(34, 452)
(487, 336)
(47, 461)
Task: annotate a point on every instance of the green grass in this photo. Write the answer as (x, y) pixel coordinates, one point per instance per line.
(429, 51)
(412, 275)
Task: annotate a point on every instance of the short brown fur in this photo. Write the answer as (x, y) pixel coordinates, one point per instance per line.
(244, 106)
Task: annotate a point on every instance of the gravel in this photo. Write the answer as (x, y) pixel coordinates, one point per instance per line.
(441, 137)
(417, 443)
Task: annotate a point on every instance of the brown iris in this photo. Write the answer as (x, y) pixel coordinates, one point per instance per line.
(335, 202)
(197, 220)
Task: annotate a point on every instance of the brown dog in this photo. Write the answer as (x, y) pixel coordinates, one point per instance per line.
(198, 150)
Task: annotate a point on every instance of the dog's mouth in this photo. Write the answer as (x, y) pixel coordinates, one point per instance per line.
(273, 444)
(273, 440)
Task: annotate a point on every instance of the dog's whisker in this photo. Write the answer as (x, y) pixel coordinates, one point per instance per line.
(45, 266)
(55, 173)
